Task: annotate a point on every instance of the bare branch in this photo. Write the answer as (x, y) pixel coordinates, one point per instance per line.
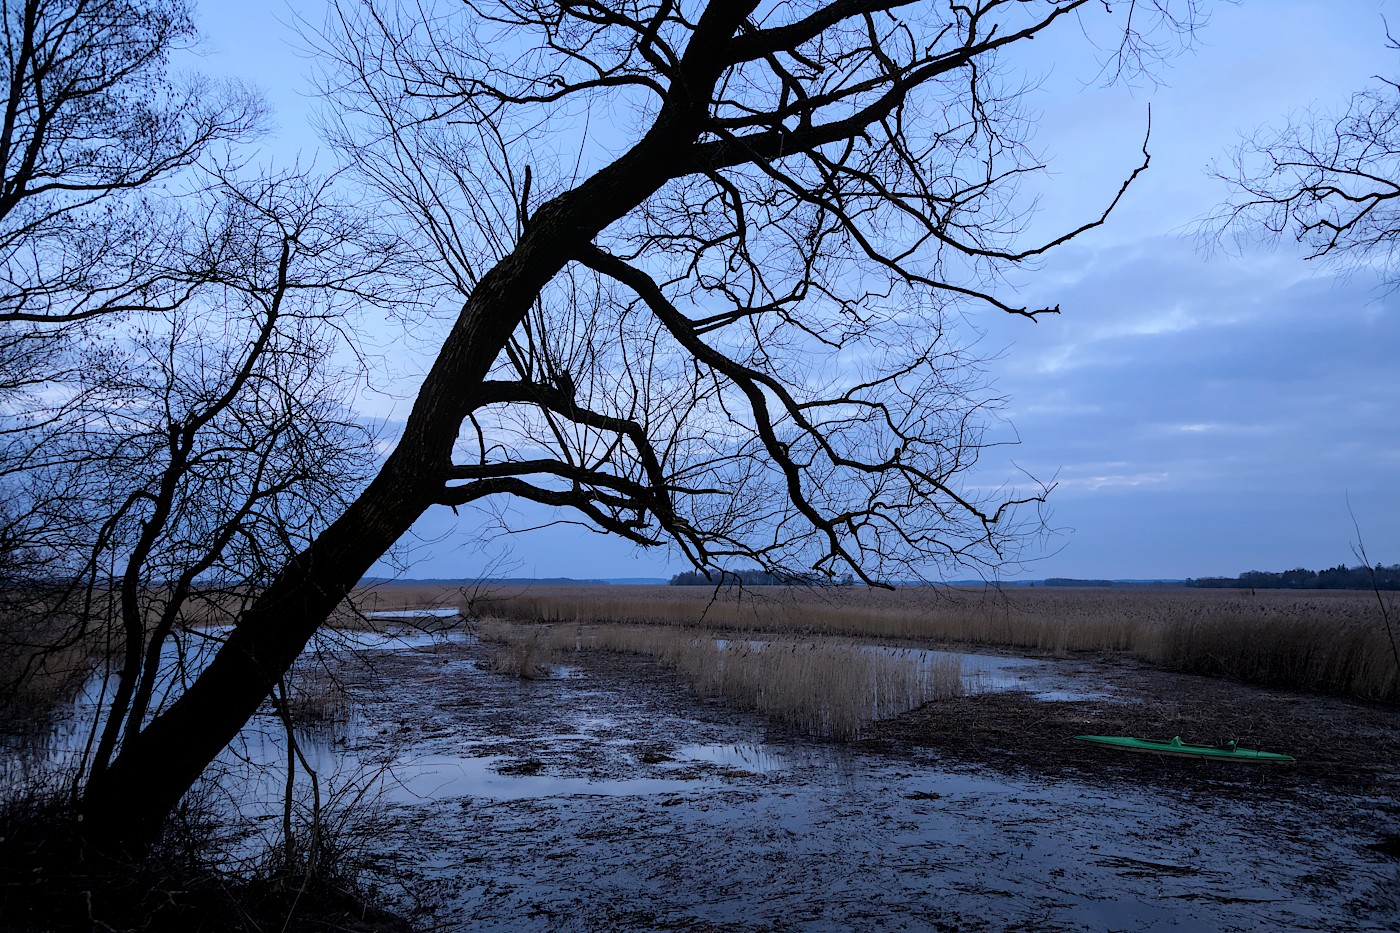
(1330, 182)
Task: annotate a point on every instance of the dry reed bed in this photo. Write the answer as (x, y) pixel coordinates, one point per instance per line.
(43, 664)
(1330, 641)
(818, 688)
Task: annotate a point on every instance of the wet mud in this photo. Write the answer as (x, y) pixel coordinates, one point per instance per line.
(608, 797)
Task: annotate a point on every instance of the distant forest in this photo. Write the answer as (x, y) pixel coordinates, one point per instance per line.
(1335, 578)
(753, 578)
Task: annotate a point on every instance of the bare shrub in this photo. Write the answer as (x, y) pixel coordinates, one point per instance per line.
(51, 879)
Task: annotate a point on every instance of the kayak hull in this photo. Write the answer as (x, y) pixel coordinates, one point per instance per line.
(1186, 750)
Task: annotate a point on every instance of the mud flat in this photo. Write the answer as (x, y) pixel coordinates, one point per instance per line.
(608, 797)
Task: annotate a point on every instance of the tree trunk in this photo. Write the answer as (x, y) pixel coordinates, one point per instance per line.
(125, 805)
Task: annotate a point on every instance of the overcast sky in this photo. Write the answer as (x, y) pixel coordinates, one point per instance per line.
(1202, 413)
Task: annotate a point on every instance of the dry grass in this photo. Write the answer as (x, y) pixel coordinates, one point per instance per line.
(819, 689)
(1317, 640)
(384, 598)
(922, 615)
(1328, 655)
(812, 685)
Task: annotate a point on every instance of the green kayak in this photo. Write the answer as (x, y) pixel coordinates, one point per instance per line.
(1231, 752)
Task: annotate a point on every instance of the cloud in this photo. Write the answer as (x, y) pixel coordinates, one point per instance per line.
(1177, 385)
(1095, 480)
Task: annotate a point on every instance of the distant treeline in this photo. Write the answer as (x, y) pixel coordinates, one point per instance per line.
(1109, 584)
(1336, 578)
(752, 578)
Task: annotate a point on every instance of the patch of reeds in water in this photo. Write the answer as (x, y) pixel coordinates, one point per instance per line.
(317, 698)
(521, 651)
(819, 689)
(811, 685)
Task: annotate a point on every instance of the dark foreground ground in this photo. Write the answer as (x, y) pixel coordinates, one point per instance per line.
(609, 797)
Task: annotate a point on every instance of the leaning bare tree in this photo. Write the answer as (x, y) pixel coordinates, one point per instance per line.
(1328, 180)
(721, 321)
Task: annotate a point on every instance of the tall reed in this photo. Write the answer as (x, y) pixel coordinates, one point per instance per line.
(521, 651)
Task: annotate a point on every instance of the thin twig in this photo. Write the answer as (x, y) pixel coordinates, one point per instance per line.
(1359, 549)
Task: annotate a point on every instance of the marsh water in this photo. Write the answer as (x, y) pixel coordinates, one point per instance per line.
(609, 797)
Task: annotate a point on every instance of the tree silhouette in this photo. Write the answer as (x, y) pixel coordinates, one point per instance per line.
(171, 426)
(1329, 180)
(722, 322)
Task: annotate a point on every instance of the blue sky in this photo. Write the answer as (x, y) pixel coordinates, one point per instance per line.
(1202, 412)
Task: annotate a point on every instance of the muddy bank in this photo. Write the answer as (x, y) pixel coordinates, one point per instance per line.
(608, 797)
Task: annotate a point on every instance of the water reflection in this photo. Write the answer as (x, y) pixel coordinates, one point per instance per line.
(434, 777)
(252, 771)
(757, 759)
